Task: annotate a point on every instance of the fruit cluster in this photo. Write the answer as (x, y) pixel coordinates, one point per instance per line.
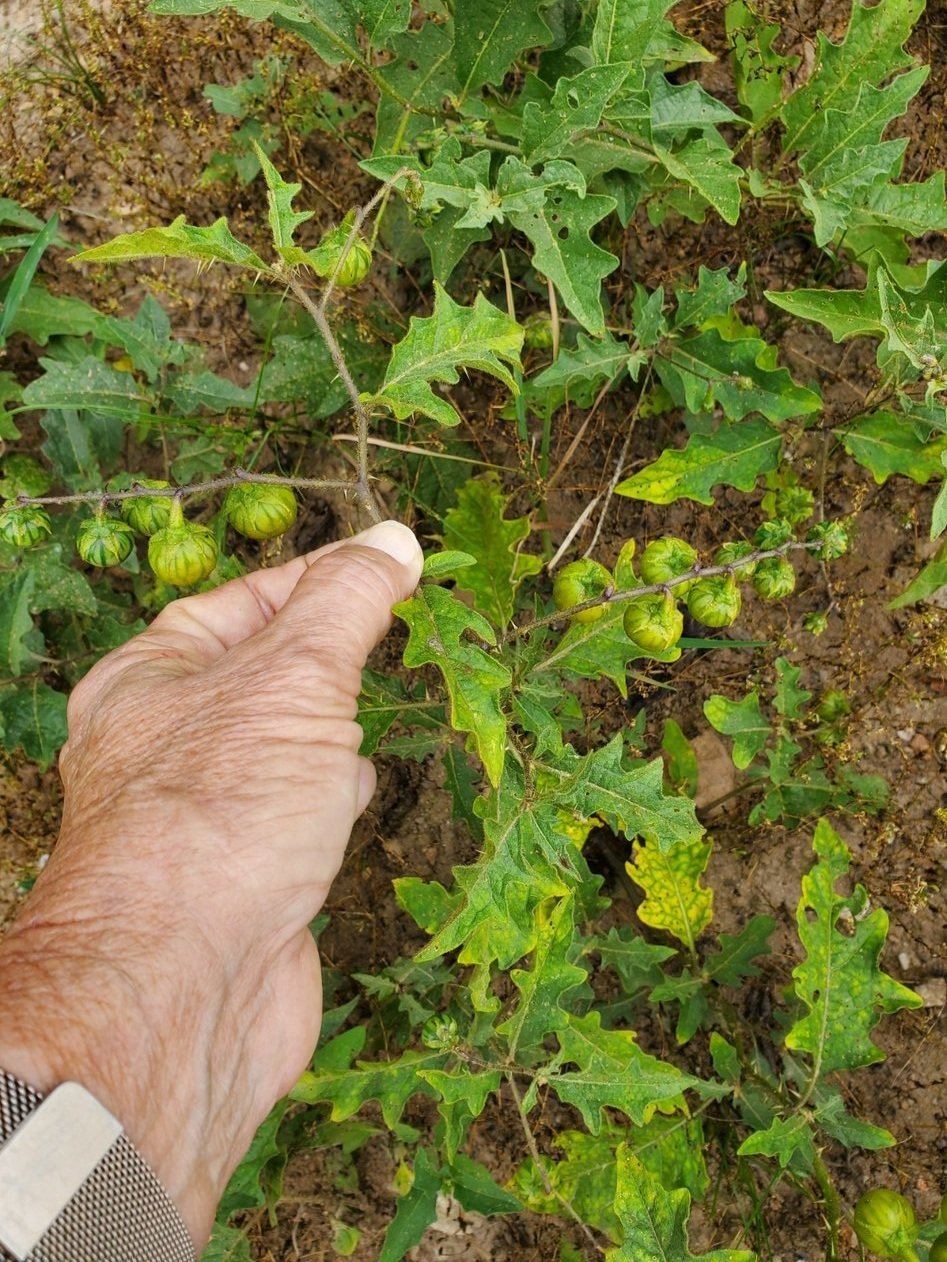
(654, 621)
(180, 552)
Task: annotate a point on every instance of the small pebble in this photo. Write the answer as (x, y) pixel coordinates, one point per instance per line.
(933, 992)
(906, 734)
(905, 961)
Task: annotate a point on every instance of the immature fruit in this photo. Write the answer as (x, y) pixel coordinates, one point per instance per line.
(260, 510)
(774, 578)
(105, 540)
(773, 534)
(148, 513)
(733, 553)
(665, 559)
(537, 331)
(24, 524)
(816, 622)
(715, 601)
(356, 260)
(653, 622)
(938, 1251)
(832, 539)
(885, 1223)
(22, 475)
(833, 705)
(182, 553)
(578, 582)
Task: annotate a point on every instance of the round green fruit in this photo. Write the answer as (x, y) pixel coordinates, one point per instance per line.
(831, 540)
(938, 1252)
(666, 559)
(105, 540)
(733, 554)
(353, 259)
(653, 622)
(885, 1223)
(148, 513)
(260, 510)
(715, 601)
(537, 332)
(772, 534)
(774, 578)
(24, 524)
(182, 553)
(578, 582)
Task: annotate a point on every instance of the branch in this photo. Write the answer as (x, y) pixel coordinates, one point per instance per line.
(317, 310)
(237, 478)
(699, 571)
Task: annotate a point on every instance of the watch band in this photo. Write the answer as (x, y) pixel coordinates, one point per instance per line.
(72, 1186)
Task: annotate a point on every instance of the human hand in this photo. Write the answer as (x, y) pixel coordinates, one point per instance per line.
(211, 779)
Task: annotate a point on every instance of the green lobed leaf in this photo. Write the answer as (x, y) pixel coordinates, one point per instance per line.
(737, 372)
(578, 373)
(477, 1191)
(871, 51)
(886, 444)
(576, 108)
(784, 1139)
(179, 240)
(839, 982)
(88, 384)
(391, 1083)
(741, 720)
(422, 73)
(477, 527)
(714, 296)
(556, 214)
(636, 961)
(462, 1097)
(18, 642)
(613, 1072)
(735, 455)
(654, 1220)
(32, 718)
(439, 624)
(437, 346)
(547, 989)
(283, 220)
(757, 67)
(706, 164)
(489, 36)
(226, 1244)
(527, 858)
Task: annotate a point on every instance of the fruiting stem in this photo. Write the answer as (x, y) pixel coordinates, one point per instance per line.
(237, 478)
(700, 571)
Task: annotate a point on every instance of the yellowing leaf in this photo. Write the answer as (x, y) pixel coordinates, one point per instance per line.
(674, 901)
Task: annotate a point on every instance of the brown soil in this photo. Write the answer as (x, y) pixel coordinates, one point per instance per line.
(133, 158)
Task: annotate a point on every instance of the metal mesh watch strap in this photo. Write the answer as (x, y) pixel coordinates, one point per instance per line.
(121, 1213)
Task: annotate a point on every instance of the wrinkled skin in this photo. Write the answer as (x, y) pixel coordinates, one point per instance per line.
(211, 779)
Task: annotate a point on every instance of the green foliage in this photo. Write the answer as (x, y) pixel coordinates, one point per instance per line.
(839, 982)
(520, 142)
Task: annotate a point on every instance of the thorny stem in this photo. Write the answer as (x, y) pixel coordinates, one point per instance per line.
(237, 478)
(540, 1167)
(359, 486)
(699, 571)
(317, 310)
(619, 464)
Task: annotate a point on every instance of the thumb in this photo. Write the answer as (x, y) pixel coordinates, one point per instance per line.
(341, 606)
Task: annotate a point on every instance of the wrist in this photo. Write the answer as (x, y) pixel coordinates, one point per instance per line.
(81, 1000)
